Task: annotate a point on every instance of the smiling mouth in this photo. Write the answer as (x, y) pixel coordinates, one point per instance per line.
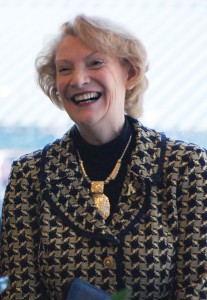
(86, 98)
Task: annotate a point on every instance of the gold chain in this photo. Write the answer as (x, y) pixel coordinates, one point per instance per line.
(97, 187)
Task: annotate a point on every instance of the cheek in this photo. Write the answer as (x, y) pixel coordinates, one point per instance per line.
(61, 86)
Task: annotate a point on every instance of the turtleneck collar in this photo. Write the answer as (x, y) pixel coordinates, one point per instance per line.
(105, 153)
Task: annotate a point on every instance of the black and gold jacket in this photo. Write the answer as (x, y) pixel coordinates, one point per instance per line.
(156, 242)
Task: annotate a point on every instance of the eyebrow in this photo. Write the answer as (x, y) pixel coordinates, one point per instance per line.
(85, 58)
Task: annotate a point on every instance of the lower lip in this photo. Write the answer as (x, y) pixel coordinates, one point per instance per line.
(86, 103)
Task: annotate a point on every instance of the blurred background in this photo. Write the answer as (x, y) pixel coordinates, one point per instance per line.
(174, 33)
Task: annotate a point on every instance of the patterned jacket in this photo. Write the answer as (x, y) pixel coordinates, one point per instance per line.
(156, 242)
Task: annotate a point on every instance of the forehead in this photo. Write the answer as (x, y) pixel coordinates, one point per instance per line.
(71, 46)
(72, 49)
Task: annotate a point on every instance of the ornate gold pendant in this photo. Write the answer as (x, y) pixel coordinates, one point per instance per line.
(102, 203)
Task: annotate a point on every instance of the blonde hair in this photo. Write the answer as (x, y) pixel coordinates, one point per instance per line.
(105, 37)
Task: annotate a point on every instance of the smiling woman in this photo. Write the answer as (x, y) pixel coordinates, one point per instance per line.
(112, 202)
(93, 94)
(101, 38)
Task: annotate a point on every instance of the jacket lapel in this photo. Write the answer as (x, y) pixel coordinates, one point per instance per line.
(67, 192)
(144, 171)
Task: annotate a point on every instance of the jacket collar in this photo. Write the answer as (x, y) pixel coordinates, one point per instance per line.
(69, 197)
(148, 155)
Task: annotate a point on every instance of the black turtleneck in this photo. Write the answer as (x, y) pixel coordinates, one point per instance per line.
(100, 160)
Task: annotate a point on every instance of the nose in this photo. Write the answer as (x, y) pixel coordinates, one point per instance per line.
(79, 78)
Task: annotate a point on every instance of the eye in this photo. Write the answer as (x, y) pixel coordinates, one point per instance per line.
(63, 69)
(96, 63)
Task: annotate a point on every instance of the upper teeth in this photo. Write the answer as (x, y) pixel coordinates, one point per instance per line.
(86, 96)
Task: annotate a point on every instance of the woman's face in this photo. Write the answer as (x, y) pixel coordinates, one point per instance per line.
(91, 84)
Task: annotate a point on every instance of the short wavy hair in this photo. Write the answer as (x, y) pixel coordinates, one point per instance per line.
(104, 36)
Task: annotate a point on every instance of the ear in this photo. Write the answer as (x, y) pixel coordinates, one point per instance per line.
(132, 75)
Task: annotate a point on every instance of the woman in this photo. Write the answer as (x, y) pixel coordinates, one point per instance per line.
(111, 202)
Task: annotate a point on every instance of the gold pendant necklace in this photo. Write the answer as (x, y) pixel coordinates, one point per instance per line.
(97, 187)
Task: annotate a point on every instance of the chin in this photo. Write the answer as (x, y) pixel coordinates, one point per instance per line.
(86, 120)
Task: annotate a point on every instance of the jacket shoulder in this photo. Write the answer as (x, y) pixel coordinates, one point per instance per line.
(171, 151)
(185, 150)
(173, 146)
(34, 157)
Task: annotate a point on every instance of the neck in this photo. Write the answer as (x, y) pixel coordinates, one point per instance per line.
(98, 135)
